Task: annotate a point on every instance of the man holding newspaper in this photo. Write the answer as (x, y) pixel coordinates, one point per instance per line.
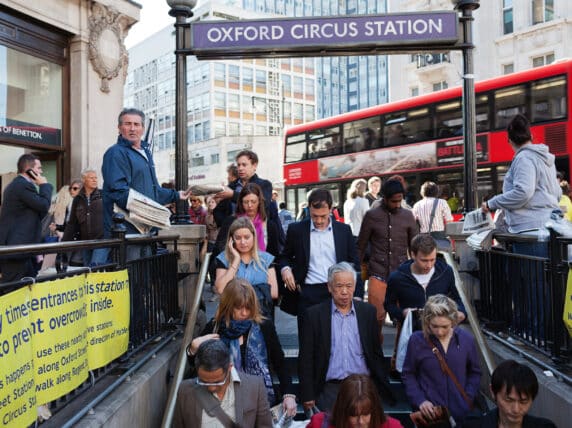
(130, 182)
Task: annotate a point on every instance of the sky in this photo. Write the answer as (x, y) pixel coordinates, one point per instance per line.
(154, 17)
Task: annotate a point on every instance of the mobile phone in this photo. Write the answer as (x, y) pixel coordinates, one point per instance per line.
(32, 174)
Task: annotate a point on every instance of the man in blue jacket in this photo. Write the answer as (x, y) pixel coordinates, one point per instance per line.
(417, 279)
(128, 164)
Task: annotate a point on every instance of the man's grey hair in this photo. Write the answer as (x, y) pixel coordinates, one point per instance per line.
(212, 355)
(130, 110)
(338, 268)
(87, 171)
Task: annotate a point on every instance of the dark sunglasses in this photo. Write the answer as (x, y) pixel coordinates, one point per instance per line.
(74, 188)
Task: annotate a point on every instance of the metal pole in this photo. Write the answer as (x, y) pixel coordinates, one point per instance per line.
(469, 113)
(181, 148)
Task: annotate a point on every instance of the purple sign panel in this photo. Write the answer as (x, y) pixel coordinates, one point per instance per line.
(412, 29)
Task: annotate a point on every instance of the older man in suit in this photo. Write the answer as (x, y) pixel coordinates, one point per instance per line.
(231, 399)
(338, 338)
(23, 208)
(313, 245)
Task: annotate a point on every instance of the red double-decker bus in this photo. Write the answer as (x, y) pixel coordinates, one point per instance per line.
(421, 138)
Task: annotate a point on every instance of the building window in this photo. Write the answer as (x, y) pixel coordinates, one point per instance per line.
(542, 11)
(233, 77)
(215, 158)
(439, 86)
(219, 72)
(507, 17)
(539, 61)
(414, 92)
(508, 68)
(197, 161)
(31, 99)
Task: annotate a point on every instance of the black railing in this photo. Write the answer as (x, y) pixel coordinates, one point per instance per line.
(523, 296)
(154, 311)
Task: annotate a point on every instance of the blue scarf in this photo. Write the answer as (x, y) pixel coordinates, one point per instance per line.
(255, 357)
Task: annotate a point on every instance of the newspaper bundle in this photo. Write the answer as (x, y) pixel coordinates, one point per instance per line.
(144, 213)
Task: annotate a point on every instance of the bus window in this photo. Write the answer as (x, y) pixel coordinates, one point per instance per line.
(449, 119)
(548, 99)
(361, 134)
(482, 111)
(508, 103)
(326, 142)
(296, 148)
(407, 127)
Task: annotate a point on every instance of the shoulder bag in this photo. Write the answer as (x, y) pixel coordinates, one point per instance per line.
(443, 243)
(445, 368)
(212, 406)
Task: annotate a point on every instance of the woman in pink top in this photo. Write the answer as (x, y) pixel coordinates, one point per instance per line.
(357, 406)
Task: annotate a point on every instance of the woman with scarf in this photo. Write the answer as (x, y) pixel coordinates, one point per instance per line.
(251, 204)
(242, 259)
(253, 341)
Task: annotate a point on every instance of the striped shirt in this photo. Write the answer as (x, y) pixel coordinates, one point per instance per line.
(422, 212)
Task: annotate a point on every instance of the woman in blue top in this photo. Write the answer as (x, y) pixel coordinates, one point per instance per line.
(242, 259)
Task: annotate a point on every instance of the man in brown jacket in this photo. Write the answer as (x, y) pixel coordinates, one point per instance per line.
(388, 229)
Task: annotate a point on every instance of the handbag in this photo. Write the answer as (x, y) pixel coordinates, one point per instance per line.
(442, 419)
(288, 299)
(405, 334)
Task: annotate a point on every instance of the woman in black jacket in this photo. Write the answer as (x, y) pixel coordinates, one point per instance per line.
(252, 205)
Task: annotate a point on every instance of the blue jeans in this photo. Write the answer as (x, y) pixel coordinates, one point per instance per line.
(533, 295)
(95, 257)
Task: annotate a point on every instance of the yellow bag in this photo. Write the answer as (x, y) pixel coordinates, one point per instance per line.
(567, 317)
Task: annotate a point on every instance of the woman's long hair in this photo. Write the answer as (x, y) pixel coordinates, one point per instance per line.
(357, 188)
(251, 189)
(243, 223)
(237, 294)
(357, 396)
(438, 305)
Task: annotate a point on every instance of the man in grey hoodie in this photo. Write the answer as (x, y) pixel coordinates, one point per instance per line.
(530, 193)
(530, 189)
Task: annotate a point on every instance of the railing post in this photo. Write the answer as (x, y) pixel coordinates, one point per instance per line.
(118, 231)
(558, 280)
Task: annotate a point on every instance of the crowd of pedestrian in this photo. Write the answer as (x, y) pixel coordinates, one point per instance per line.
(320, 270)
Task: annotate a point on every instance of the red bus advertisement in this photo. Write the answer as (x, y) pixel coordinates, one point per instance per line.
(421, 138)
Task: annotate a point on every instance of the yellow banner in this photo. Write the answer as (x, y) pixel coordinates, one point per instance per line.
(52, 333)
(17, 394)
(60, 350)
(567, 317)
(108, 316)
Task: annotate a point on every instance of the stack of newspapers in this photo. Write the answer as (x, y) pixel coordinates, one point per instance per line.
(144, 213)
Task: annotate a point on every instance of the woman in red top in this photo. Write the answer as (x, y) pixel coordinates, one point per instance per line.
(357, 406)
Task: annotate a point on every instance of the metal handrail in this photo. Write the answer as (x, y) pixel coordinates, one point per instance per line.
(471, 316)
(182, 360)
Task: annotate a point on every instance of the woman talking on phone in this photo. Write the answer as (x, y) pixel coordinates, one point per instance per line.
(242, 259)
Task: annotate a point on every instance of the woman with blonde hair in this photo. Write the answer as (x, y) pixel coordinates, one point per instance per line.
(242, 259)
(253, 341)
(441, 367)
(356, 205)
